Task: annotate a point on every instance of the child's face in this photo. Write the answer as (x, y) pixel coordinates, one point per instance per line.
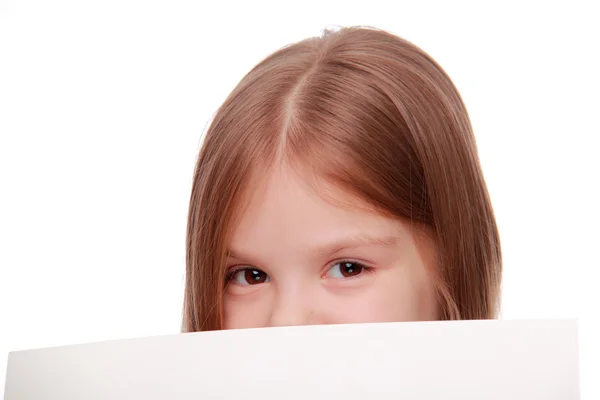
(296, 259)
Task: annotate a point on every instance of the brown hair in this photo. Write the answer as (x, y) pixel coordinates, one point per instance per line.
(374, 115)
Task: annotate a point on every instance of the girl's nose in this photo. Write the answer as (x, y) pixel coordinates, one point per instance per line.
(290, 310)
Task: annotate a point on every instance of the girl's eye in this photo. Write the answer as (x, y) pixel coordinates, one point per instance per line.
(248, 276)
(346, 269)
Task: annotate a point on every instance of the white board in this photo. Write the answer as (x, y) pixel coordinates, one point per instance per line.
(464, 360)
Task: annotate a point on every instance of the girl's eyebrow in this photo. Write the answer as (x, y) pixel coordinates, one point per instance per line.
(338, 245)
(233, 254)
(329, 249)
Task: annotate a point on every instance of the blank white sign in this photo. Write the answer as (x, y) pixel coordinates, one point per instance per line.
(514, 360)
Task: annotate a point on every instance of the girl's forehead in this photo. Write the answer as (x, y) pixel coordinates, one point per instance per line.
(291, 219)
(286, 188)
(297, 204)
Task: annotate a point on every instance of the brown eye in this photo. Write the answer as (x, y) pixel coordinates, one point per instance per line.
(248, 276)
(345, 269)
(254, 276)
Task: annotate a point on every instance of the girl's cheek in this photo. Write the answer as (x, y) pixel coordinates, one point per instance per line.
(247, 308)
(235, 292)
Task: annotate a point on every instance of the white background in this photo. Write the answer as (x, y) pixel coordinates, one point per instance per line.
(103, 105)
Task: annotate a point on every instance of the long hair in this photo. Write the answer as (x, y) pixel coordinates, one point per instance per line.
(372, 114)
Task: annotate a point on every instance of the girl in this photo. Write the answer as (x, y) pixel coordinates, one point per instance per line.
(340, 183)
